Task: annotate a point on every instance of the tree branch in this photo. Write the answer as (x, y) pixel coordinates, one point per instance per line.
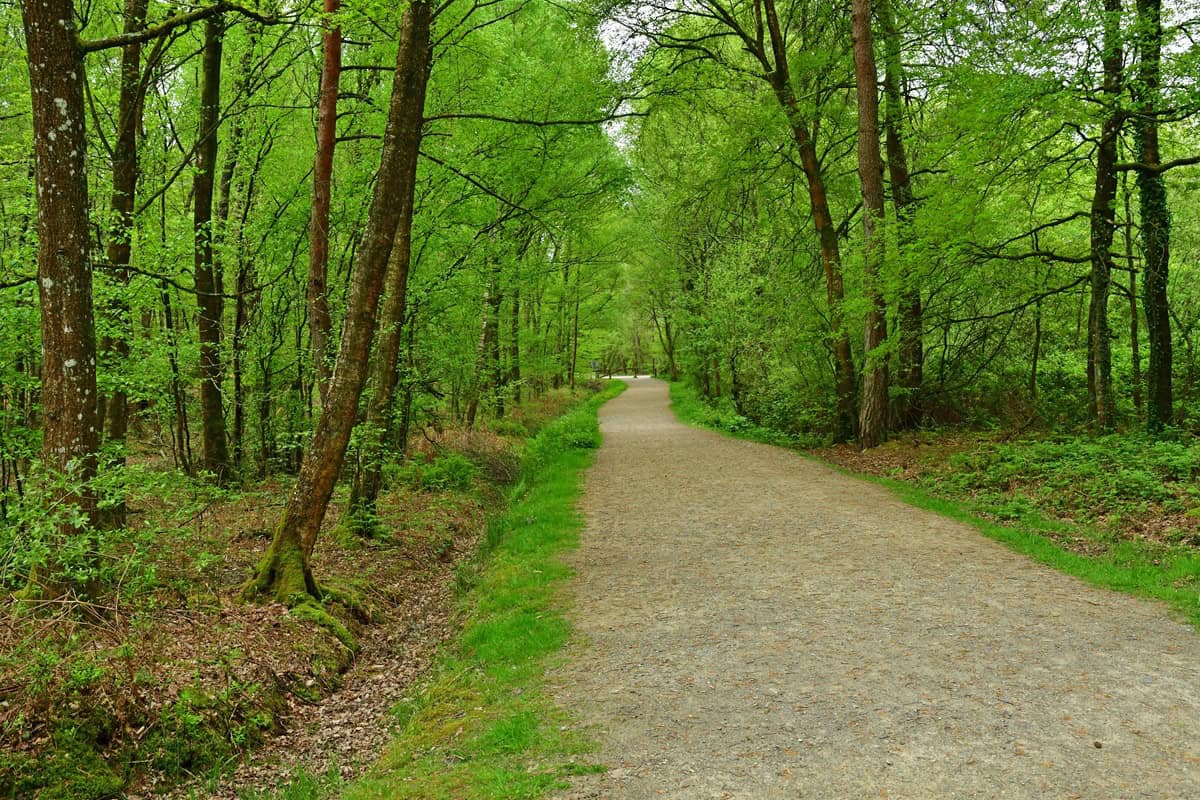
(537, 123)
(169, 24)
(1157, 169)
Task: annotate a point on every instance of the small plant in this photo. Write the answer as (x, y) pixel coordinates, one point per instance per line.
(447, 472)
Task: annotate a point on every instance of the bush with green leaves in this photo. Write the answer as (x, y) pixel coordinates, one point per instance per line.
(447, 472)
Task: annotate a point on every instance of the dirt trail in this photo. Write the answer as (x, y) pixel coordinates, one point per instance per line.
(756, 625)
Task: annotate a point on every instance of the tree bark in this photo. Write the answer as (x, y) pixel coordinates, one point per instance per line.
(1135, 350)
(318, 253)
(873, 411)
(781, 81)
(1156, 221)
(496, 369)
(487, 333)
(514, 345)
(380, 417)
(911, 350)
(1103, 225)
(70, 435)
(285, 572)
(208, 294)
(114, 419)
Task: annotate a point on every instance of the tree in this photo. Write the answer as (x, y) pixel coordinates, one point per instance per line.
(873, 411)
(1103, 224)
(209, 293)
(285, 572)
(318, 235)
(911, 352)
(115, 409)
(70, 435)
(1155, 214)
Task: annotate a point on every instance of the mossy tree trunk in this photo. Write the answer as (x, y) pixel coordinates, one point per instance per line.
(1156, 218)
(208, 279)
(318, 228)
(1101, 402)
(114, 411)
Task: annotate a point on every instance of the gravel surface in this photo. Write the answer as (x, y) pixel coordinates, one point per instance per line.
(753, 624)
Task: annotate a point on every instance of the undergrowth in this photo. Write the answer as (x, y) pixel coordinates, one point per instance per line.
(721, 416)
(480, 727)
(164, 676)
(1118, 511)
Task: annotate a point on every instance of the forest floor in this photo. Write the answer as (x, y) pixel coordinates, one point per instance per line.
(173, 681)
(755, 624)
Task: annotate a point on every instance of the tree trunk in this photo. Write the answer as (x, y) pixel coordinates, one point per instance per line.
(1103, 224)
(318, 253)
(1156, 221)
(68, 389)
(911, 347)
(380, 418)
(486, 331)
(1135, 352)
(514, 345)
(495, 368)
(285, 572)
(781, 81)
(1037, 353)
(124, 190)
(873, 412)
(574, 336)
(242, 277)
(208, 294)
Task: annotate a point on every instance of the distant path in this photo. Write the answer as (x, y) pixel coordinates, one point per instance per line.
(759, 626)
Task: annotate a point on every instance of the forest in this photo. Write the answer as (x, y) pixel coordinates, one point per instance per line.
(300, 303)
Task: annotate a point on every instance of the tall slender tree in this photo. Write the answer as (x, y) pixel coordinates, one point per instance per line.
(209, 296)
(319, 323)
(1103, 224)
(873, 411)
(911, 351)
(113, 413)
(1155, 215)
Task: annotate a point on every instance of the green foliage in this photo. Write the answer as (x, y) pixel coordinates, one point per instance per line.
(691, 407)
(449, 471)
(32, 538)
(1076, 477)
(509, 427)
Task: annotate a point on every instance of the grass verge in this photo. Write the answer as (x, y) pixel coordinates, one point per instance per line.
(481, 727)
(1170, 573)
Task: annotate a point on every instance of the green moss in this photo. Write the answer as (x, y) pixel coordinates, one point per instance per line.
(283, 573)
(312, 611)
(72, 769)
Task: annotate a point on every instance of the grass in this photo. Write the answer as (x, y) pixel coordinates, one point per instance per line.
(1164, 571)
(481, 727)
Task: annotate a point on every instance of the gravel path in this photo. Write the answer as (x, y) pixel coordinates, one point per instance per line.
(756, 625)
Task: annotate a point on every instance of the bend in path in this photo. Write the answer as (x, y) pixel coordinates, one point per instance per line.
(756, 625)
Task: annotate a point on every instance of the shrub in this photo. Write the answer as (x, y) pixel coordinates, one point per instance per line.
(449, 471)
